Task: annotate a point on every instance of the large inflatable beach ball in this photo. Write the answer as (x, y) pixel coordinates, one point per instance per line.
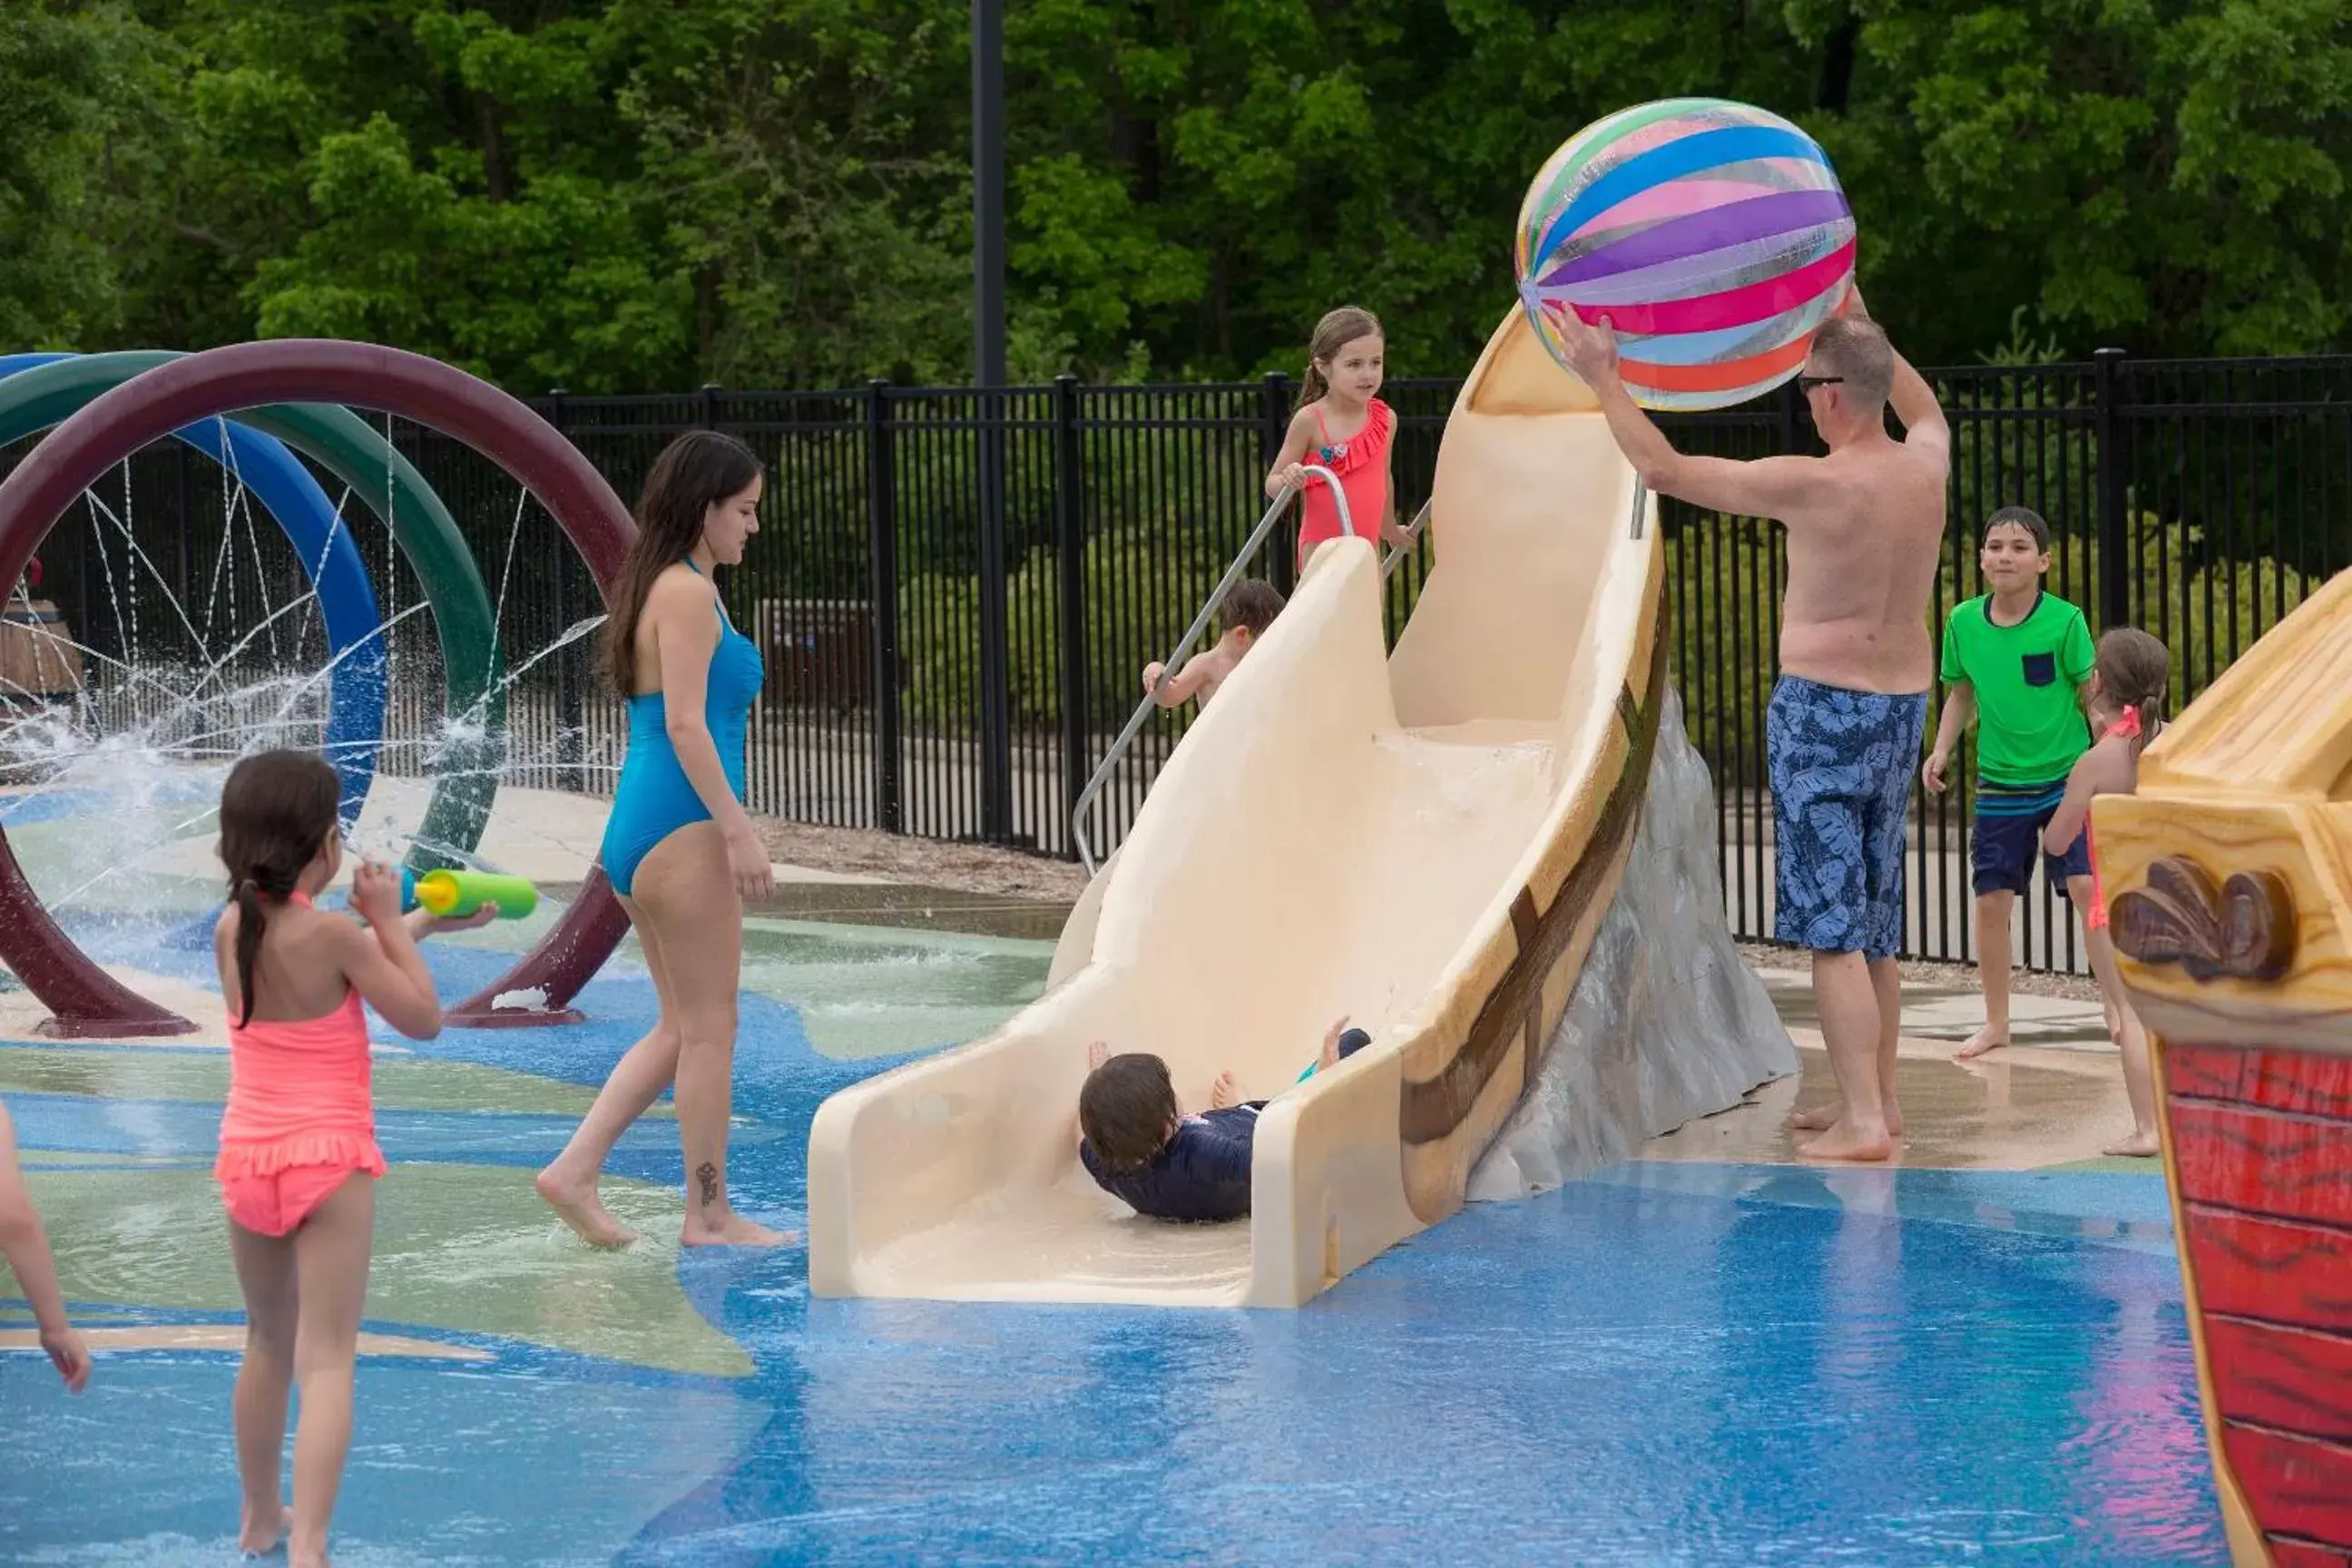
(1713, 236)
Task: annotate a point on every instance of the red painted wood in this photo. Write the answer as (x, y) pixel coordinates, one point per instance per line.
(2295, 1486)
(2288, 1378)
(2304, 1554)
(2263, 1161)
(2304, 1082)
(2271, 1269)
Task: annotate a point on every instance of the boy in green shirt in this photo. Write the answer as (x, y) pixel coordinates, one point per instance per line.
(2016, 661)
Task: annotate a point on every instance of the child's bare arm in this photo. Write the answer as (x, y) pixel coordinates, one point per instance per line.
(2093, 775)
(26, 1245)
(1391, 529)
(1186, 683)
(382, 963)
(1959, 712)
(422, 923)
(1289, 461)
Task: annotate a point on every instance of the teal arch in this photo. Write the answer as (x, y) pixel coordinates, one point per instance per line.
(425, 535)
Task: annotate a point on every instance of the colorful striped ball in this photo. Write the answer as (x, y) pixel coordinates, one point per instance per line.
(1714, 236)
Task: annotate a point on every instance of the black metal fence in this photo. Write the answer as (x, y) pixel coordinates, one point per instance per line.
(957, 591)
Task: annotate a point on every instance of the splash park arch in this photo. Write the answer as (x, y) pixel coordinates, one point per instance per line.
(107, 408)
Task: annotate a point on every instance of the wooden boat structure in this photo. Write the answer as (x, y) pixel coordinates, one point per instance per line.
(2229, 876)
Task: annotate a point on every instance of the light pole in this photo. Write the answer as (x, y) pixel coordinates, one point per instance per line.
(988, 377)
(988, 192)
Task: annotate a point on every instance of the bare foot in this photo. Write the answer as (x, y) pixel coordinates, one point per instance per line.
(1985, 1039)
(583, 1210)
(1847, 1141)
(731, 1229)
(259, 1538)
(2138, 1146)
(1224, 1094)
(1097, 1054)
(1821, 1119)
(317, 1559)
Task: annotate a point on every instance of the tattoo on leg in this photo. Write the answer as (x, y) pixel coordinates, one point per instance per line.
(706, 1176)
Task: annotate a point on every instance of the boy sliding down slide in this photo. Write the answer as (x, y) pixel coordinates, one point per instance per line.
(1138, 1145)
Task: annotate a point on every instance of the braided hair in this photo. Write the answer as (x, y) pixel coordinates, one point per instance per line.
(277, 813)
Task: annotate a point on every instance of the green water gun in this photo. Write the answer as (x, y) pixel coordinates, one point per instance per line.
(454, 895)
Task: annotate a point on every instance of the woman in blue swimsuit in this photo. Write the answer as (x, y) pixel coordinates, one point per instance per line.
(679, 847)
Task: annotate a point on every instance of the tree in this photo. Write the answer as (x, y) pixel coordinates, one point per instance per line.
(645, 193)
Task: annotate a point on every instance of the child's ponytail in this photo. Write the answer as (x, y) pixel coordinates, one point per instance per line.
(2134, 670)
(1334, 331)
(1311, 386)
(250, 923)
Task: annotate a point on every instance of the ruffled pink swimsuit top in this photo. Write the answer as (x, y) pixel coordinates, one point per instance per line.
(1361, 465)
(299, 1095)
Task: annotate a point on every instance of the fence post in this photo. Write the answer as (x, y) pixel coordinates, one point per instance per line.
(571, 716)
(1070, 545)
(88, 625)
(882, 597)
(995, 642)
(187, 531)
(2114, 547)
(1275, 417)
(709, 405)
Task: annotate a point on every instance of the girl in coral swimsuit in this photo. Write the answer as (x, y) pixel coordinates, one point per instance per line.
(2126, 698)
(1341, 425)
(299, 1161)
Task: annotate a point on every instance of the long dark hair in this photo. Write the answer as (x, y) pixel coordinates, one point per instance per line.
(275, 812)
(693, 473)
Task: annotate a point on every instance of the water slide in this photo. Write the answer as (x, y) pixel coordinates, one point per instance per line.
(1423, 840)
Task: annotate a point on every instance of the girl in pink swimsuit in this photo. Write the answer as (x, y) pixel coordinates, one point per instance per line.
(2126, 698)
(1341, 425)
(299, 1161)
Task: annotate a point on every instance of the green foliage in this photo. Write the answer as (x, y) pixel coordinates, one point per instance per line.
(940, 628)
(631, 194)
(76, 149)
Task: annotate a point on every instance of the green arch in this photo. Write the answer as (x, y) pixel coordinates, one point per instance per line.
(340, 442)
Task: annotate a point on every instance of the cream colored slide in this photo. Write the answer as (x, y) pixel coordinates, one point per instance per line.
(1425, 842)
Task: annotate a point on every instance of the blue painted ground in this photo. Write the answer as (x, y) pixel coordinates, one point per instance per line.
(1663, 1364)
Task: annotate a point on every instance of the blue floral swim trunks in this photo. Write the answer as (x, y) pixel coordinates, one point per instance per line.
(1841, 764)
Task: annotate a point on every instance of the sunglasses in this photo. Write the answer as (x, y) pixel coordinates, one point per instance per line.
(1807, 383)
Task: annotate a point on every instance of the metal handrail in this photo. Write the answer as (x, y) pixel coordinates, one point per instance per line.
(1412, 532)
(1250, 548)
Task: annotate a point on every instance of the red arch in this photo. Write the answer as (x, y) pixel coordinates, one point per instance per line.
(82, 998)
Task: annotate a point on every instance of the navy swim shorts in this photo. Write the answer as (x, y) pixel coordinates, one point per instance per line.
(1841, 764)
(2009, 820)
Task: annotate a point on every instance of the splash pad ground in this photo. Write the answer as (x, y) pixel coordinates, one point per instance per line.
(1705, 1355)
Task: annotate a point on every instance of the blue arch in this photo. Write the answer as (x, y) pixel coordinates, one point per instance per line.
(329, 558)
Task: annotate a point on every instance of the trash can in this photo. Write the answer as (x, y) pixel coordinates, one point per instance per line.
(819, 651)
(39, 661)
